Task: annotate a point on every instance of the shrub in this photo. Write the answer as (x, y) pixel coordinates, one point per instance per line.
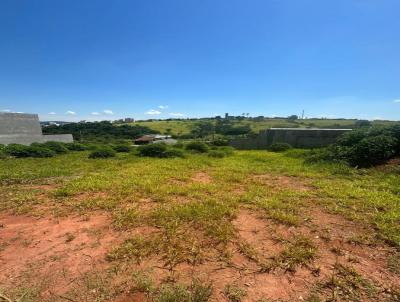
(279, 147)
(75, 146)
(216, 154)
(199, 147)
(351, 138)
(102, 153)
(57, 147)
(17, 150)
(220, 142)
(2, 154)
(159, 150)
(319, 155)
(173, 153)
(122, 148)
(219, 152)
(372, 150)
(227, 150)
(152, 150)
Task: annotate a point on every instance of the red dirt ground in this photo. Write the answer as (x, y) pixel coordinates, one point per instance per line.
(61, 248)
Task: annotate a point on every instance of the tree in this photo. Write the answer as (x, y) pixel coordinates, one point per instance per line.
(363, 123)
(293, 117)
(203, 129)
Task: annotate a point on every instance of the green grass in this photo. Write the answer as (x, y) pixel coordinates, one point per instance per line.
(190, 219)
(371, 196)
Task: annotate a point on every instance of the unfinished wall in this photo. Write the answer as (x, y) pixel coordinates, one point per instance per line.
(296, 137)
(19, 124)
(21, 128)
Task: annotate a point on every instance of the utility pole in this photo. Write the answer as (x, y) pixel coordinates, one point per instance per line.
(302, 115)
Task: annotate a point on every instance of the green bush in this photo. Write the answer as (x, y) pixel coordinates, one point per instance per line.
(199, 147)
(102, 153)
(362, 147)
(227, 150)
(372, 150)
(2, 154)
(122, 148)
(75, 146)
(57, 147)
(173, 153)
(279, 147)
(17, 150)
(351, 138)
(220, 142)
(216, 153)
(152, 150)
(159, 150)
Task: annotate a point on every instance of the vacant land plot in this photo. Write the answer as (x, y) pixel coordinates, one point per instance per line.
(255, 226)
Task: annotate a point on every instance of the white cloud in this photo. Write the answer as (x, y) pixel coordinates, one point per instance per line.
(163, 106)
(5, 110)
(396, 101)
(108, 112)
(95, 113)
(153, 112)
(51, 113)
(69, 112)
(177, 114)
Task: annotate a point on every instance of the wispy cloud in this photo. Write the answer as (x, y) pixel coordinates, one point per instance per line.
(153, 112)
(396, 101)
(69, 112)
(95, 113)
(177, 114)
(108, 112)
(5, 110)
(163, 106)
(51, 113)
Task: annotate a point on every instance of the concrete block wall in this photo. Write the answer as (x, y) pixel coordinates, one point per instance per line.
(21, 128)
(27, 140)
(19, 123)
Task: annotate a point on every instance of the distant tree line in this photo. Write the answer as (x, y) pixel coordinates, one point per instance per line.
(220, 126)
(99, 131)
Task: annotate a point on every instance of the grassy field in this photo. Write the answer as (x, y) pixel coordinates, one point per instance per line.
(179, 127)
(254, 226)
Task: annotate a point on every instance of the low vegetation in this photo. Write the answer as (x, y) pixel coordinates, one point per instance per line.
(172, 223)
(103, 152)
(362, 148)
(279, 147)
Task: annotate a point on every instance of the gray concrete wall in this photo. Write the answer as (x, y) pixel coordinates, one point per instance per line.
(19, 123)
(296, 137)
(27, 140)
(21, 128)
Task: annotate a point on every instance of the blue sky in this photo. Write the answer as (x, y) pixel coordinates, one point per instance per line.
(81, 59)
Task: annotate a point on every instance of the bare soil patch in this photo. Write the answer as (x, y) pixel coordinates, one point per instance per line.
(202, 177)
(61, 248)
(280, 182)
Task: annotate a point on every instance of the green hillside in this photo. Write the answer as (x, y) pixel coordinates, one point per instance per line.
(179, 127)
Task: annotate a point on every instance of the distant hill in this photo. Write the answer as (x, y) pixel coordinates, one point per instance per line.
(194, 128)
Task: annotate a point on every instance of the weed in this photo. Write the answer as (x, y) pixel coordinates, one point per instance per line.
(300, 251)
(347, 284)
(234, 293)
(143, 282)
(394, 263)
